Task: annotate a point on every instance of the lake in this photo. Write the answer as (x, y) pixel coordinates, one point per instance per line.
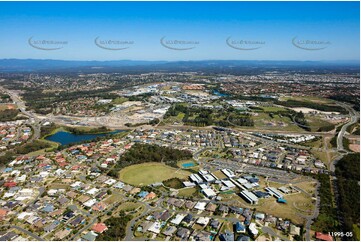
(65, 138)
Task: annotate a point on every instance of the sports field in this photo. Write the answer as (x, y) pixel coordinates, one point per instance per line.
(148, 173)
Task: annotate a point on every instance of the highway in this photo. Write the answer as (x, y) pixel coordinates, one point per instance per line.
(354, 116)
(34, 121)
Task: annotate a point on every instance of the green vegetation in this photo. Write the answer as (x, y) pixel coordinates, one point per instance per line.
(333, 141)
(188, 192)
(272, 109)
(326, 128)
(251, 98)
(301, 121)
(307, 104)
(151, 122)
(47, 130)
(201, 117)
(7, 157)
(346, 144)
(357, 130)
(5, 98)
(140, 97)
(327, 219)
(149, 173)
(119, 100)
(43, 102)
(8, 115)
(349, 99)
(99, 130)
(116, 228)
(319, 125)
(33, 146)
(348, 177)
(143, 153)
(354, 128)
(24, 149)
(316, 143)
(175, 183)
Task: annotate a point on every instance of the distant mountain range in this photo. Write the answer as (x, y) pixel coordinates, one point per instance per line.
(207, 66)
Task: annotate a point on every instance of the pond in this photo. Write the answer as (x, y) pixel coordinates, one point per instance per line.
(65, 138)
(216, 92)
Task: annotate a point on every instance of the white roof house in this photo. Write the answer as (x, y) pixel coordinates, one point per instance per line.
(155, 228)
(228, 173)
(90, 203)
(203, 220)
(92, 191)
(110, 181)
(178, 219)
(209, 192)
(252, 228)
(229, 184)
(200, 206)
(249, 197)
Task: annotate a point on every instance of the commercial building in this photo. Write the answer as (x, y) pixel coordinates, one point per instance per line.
(249, 197)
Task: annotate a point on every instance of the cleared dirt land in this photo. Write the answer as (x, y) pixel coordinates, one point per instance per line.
(148, 173)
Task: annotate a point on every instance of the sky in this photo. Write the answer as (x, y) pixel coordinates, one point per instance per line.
(325, 31)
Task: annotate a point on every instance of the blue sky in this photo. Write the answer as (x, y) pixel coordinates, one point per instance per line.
(274, 24)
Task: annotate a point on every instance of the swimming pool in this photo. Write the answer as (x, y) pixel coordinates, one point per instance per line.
(187, 165)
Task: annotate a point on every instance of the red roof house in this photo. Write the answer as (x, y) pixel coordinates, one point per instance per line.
(99, 228)
(323, 237)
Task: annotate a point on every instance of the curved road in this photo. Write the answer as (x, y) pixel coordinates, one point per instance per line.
(34, 236)
(354, 116)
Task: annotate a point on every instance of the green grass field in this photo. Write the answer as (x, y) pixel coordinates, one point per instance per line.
(314, 143)
(263, 120)
(271, 109)
(174, 119)
(119, 100)
(187, 192)
(148, 173)
(316, 123)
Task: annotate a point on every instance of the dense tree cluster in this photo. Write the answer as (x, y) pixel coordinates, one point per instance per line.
(99, 130)
(7, 157)
(355, 101)
(23, 149)
(43, 102)
(326, 128)
(348, 178)
(47, 129)
(333, 140)
(243, 120)
(116, 228)
(142, 153)
(200, 117)
(140, 97)
(33, 146)
(301, 121)
(8, 115)
(327, 218)
(5, 98)
(175, 183)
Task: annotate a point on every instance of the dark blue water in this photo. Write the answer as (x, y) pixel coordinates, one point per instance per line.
(216, 92)
(65, 138)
